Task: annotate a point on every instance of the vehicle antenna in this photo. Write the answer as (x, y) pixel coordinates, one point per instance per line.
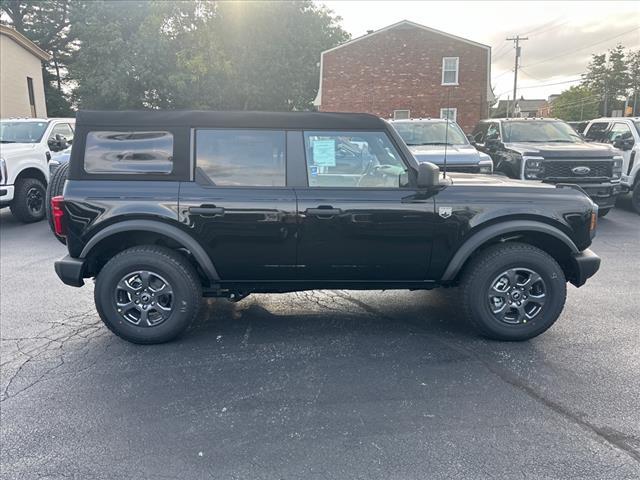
(446, 134)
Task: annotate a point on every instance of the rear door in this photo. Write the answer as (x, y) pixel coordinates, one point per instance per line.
(359, 219)
(238, 206)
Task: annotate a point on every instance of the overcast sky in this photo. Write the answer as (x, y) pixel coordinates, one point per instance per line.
(571, 31)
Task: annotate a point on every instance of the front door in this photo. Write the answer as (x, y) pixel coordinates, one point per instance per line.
(239, 207)
(359, 221)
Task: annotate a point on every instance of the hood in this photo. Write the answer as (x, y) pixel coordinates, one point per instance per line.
(10, 149)
(562, 150)
(456, 154)
(493, 180)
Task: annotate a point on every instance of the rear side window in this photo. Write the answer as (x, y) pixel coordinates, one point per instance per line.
(254, 158)
(108, 152)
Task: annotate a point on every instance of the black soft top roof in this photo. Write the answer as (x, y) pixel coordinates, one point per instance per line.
(230, 119)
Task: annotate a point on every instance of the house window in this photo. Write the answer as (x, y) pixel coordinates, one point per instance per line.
(401, 114)
(449, 113)
(450, 70)
(32, 97)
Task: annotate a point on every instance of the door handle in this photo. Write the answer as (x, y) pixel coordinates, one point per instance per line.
(206, 210)
(323, 211)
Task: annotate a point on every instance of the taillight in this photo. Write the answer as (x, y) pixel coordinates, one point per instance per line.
(57, 213)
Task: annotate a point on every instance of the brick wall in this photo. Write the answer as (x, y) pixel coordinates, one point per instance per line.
(401, 68)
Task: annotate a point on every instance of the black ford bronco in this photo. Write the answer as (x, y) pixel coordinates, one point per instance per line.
(550, 150)
(163, 208)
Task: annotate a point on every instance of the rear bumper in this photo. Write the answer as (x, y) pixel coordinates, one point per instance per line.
(70, 270)
(585, 265)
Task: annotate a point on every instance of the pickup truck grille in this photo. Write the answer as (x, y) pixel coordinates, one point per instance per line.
(463, 168)
(563, 169)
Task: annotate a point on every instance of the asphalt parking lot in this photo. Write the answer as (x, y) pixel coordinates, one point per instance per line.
(324, 384)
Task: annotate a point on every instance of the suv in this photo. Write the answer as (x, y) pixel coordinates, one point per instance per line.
(429, 140)
(25, 151)
(165, 207)
(624, 134)
(550, 150)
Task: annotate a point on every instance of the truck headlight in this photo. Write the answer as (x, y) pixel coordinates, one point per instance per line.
(485, 166)
(616, 173)
(532, 168)
(3, 171)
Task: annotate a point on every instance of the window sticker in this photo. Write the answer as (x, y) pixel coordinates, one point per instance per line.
(324, 153)
(314, 170)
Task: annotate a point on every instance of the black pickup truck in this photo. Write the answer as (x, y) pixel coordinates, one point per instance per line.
(550, 150)
(163, 208)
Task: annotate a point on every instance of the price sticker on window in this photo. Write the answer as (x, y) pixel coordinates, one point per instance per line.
(324, 153)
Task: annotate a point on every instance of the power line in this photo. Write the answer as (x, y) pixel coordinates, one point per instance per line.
(538, 85)
(582, 48)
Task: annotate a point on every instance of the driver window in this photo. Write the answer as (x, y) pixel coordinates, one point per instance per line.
(493, 132)
(353, 159)
(64, 130)
(619, 130)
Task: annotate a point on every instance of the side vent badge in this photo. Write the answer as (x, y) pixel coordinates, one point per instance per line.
(445, 212)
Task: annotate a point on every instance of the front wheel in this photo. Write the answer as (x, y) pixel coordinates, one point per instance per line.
(28, 204)
(148, 294)
(635, 197)
(513, 291)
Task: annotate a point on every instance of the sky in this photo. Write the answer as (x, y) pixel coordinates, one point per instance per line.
(562, 35)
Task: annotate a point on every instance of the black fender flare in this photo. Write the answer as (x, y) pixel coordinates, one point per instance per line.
(513, 226)
(181, 237)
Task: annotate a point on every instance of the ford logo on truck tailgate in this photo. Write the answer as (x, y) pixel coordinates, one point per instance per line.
(581, 170)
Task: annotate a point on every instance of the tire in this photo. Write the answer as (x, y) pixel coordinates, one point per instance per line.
(164, 265)
(603, 211)
(635, 197)
(55, 188)
(486, 269)
(28, 204)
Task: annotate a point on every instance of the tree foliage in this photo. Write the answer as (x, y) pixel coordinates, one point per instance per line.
(576, 103)
(609, 76)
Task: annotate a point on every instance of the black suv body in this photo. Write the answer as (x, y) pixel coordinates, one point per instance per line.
(550, 150)
(163, 208)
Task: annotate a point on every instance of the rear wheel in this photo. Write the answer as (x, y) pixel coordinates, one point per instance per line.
(29, 199)
(55, 188)
(603, 211)
(513, 291)
(148, 294)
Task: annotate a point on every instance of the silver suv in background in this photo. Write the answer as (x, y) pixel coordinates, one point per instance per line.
(624, 134)
(429, 138)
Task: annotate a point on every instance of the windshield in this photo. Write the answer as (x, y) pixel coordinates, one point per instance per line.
(539, 131)
(430, 133)
(22, 132)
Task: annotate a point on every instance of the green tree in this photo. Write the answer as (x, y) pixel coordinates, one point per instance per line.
(634, 79)
(576, 103)
(607, 76)
(46, 23)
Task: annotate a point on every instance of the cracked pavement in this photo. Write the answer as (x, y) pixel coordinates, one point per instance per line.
(322, 384)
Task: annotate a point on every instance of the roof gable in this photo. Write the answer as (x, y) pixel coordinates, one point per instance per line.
(410, 24)
(24, 42)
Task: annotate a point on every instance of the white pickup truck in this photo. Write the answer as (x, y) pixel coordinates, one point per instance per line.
(26, 145)
(624, 134)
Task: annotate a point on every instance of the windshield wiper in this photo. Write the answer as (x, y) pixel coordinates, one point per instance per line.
(7, 141)
(560, 141)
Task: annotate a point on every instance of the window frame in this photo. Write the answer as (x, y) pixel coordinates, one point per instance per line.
(455, 114)
(210, 183)
(610, 140)
(602, 134)
(410, 168)
(457, 70)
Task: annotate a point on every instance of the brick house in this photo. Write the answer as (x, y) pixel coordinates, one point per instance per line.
(408, 70)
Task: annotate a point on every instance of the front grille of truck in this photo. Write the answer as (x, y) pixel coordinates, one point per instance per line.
(558, 169)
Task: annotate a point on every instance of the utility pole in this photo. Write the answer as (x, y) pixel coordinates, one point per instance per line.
(516, 40)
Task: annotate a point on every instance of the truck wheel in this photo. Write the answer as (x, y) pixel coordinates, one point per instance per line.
(148, 294)
(635, 197)
(28, 202)
(55, 188)
(603, 211)
(513, 291)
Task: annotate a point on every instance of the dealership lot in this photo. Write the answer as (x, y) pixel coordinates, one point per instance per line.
(325, 384)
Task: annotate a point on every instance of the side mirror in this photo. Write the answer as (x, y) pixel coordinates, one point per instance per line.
(428, 175)
(623, 143)
(492, 143)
